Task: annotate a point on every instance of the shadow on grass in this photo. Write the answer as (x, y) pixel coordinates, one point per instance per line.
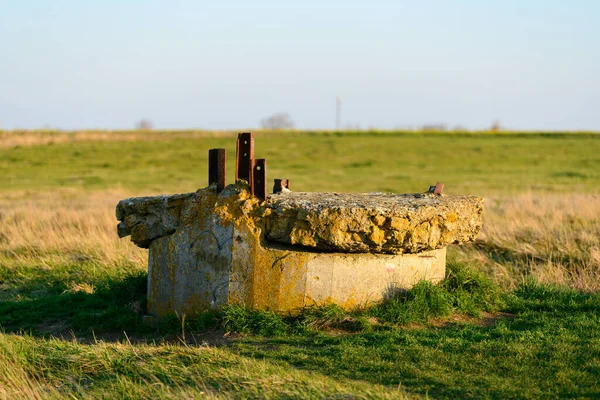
(554, 329)
(115, 305)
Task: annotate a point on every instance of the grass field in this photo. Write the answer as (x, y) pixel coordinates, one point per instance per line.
(466, 163)
(517, 317)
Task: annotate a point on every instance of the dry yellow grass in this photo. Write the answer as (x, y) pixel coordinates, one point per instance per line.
(554, 238)
(13, 138)
(47, 226)
(10, 139)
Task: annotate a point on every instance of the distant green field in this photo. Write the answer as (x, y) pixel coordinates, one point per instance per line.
(465, 163)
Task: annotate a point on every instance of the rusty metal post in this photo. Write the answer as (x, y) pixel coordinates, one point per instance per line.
(280, 184)
(437, 189)
(259, 176)
(244, 157)
(216, 168)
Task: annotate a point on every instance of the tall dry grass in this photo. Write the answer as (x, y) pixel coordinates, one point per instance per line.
(554, 238)
(15, 383)
(48, 227)
(9, 139)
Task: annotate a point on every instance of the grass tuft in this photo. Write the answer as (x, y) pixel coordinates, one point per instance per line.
(471, 291)
(418, 304)
(464, 291)
(239, 319)
(317, 318)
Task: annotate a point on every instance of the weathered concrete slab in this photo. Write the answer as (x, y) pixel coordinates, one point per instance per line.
(374, 223)
(149, 218)
(356, 280)
(284, 280)
(210, 249)
(340, 222)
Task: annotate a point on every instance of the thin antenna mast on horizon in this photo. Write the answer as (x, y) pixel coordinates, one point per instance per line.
(338, 112)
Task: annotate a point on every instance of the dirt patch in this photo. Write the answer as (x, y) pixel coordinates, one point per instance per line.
(57, 329)
(484, 320)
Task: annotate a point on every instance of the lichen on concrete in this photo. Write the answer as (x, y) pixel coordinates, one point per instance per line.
(372, 223)
(149, 218)
(209, 249)
(343, 222)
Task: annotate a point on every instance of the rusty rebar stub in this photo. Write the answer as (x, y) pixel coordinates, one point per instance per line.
(259, 179)
(280, 185)
(437, 189)
(216, 168)
(244, 157)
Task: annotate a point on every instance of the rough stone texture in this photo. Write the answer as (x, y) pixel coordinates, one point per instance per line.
(374, 223)
(348, 223)
(209, 249)
(189, 270)
(149, 218)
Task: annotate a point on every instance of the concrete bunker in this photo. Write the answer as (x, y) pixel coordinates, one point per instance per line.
(237, 245)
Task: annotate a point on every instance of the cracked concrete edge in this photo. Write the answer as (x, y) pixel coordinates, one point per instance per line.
(349, 223)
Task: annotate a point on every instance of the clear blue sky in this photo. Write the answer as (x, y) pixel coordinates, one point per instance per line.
(71, 64)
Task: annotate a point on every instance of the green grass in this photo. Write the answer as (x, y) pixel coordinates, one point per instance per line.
(38, 368)
(545, 343)
(71, 314)
(549, 348)
(466, 163)
(116, 304)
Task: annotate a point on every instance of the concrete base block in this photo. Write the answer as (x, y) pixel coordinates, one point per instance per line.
(208, 250)
(149, 320)
(352, 280)
(284, 280)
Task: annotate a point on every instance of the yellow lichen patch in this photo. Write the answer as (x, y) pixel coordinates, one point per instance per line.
(278, 280)
(350, 303)
(420, 236)
(399, 236)
(377, 236)
(378, 220)
(262, 277)
(302, 237)
(312, 302)
(435, 235)
(194, 303)
(399, 224)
